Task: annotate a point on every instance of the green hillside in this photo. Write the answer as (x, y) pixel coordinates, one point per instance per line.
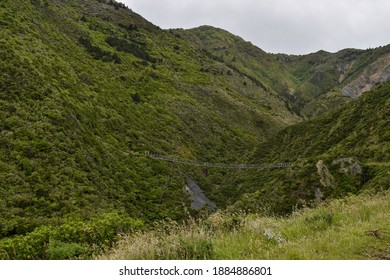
(244, 57)
(310, 84)
(337, 154)
(327, 80)
(89, 89)
(86, 87)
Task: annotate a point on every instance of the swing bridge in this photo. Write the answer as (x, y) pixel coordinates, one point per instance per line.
(158, 156)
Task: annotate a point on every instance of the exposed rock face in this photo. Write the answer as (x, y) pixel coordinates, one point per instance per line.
(349, 166)
(318, 194)
(327, 179)
(198, 198)
(375, 74)
(346, 175)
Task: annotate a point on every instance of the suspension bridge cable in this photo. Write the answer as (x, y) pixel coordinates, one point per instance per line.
(217, 165)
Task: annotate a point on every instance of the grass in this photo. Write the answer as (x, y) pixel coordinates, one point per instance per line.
(357, 227)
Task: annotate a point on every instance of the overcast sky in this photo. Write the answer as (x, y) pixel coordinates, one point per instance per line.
(287, 26)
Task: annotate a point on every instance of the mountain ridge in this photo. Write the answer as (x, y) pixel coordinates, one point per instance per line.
(305, 81)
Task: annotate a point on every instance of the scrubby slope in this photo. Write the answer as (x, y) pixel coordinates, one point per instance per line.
(327, 80)
(339, 153)
(311, 84)
(85, 88)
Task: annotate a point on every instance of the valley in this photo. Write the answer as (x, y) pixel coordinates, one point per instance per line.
(93, 97)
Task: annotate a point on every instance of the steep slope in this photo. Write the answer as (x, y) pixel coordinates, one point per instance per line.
(339, 153)
(360, 128)
(261, 67)
(310, 84)
(327, 80)
(85, 88)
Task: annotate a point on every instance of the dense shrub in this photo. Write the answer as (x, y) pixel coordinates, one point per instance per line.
(129, 47)
(98, 53)
(73, 239)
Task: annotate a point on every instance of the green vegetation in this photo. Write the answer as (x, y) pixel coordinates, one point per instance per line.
(73, 239)
(351, 228)
(361, 129)
(86, 87)
(310, 84)
(352, 144)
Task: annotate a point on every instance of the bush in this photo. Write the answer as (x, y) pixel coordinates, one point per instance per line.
(98, 53)
(58, 250)
(131, 48)
(74, 238)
